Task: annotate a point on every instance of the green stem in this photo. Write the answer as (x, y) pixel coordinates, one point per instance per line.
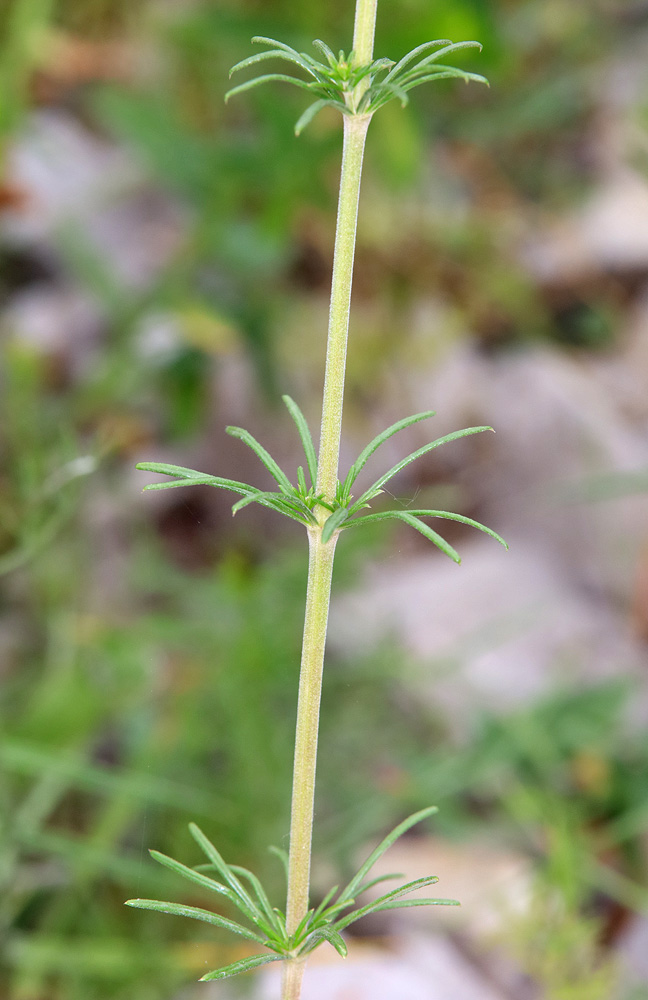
(318, 593)
(355, 133)
(320, 563)
(364, 31)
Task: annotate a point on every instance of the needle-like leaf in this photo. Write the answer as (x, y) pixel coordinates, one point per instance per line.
(454, 436)
(179, 910)
(245, 965)
(275, 471)
(352, 888)
(193, 875)
(367, 452)
(448, 515)
(245, 903)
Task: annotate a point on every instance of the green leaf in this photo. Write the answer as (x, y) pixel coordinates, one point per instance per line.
(403, 904)
(440, 53)
(412, 458)
(411, 56)
(189, 477)
(314, 109)
(325, 902)
(448, 515)
(333, 936)
(224, 870)
(179, 910)
(260, 893)
(280, 853)
(268, 78)
(192, 875)
(448, 73)
(326, 52)
(376, 881)
(275, 471)
(429, 533)
(367, 452)
(398, 904)
(258, 57)
(352, 888)
(245, 965)
(305, 437)
(333, 522)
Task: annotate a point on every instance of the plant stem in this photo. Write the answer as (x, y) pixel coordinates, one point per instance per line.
(355, 132)
(320, 563)
(364, 30)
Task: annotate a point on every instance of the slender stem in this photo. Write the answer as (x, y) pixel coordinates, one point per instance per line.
(320, 563)
(364, 30)
(355, 133)
(318, 593)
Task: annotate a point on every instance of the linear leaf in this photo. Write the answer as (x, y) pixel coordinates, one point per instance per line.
(280, 853)
(429, 533)
(333, 522)
(189, 477)
(270, 54)
(412, 458)
(403, 890)
(398, 904)
(293, 507)
(376, 881)
(411, 56)
(224, 871)
(325, 902)
(275, 471)
(383, 846)
(448, 73)
(367, 452)
(314, 109)
(403, 904)
(326, 51)
(268, 78)
(305, 436)
(245, 965)
(192, 875)
(448, 515)
(260, 893)
(440, 53)
(179, 910)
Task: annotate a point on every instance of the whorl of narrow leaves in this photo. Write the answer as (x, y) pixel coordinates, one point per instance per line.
(334, 83)
(244, 891)
(299, 502)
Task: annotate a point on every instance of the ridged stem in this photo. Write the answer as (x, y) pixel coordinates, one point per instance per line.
(320, 563)
(355, 133)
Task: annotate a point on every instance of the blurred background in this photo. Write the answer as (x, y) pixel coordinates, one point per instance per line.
(164, 271)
